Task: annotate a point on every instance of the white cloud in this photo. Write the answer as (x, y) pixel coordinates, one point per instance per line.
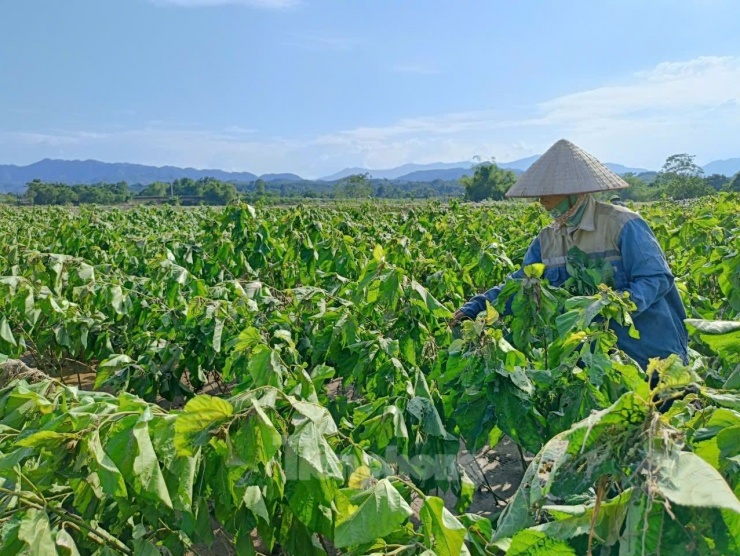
(268, 4)
(670, 88)
(691, 106)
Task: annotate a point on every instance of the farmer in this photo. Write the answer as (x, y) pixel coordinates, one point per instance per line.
(563, 180)
(616, 200)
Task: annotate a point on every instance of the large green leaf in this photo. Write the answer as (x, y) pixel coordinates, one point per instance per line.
(574, 521)
(722, 336)
(265, 366)
(479, 533)
(385, 428)
(572, 461)
(118, 301)
(257, 440)
(376, 515)
(146, 466)
(6, 333)
(110, 477)
(34, 530)
(445, 535)
(688, 480)
(536, 543)
(109, 367)
(255, 502)
(199, 416)
(313, 473)
(631, 537)
(310, 500)
(426, 415)
(130, 448)
(314, 412)
(426, 301)
(727, 399)
(714, 327)
(733, 381)
(145, 548)
(66, 545)
(309, 456)
(518, 418)
(45, 439)
(180, 476)
(467, 492)
(732, 520)
(516, 515)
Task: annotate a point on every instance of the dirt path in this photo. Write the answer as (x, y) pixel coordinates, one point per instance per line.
(500, 469)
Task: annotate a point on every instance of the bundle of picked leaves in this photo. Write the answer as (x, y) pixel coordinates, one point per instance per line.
(586, 273)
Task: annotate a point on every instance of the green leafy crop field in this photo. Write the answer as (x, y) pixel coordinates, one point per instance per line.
(286, 380)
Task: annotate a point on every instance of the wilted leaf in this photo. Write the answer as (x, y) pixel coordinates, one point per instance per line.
(688, 480)
(378, 515)
(34, 530)
(445, 534)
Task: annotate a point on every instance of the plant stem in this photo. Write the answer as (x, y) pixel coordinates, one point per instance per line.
(521, 455)
(496, 497)
(100, 534)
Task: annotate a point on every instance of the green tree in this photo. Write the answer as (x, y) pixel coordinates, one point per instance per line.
(633, 180)
(357, 186)
(156, 189)
(189, 187)
(689, 188)
(488, 182)
(260, 188)
(717, 181)
(41, 193)
(681, 178)
(639, 190)
(216, 192)
(733, 185)
(681, 165)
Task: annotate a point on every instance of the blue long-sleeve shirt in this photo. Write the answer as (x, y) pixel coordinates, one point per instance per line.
(621, 237)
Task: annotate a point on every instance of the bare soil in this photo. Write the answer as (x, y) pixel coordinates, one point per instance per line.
(496, 472)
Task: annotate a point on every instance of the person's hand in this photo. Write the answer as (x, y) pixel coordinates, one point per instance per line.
(457, 318)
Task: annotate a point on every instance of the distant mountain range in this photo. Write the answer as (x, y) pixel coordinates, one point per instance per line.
(398, 172)
(14, 178)
(522, 164)
(441, 174)
(728, 167)
(451, 171)
(279, 177)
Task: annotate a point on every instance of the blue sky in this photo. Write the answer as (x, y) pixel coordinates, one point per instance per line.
(311, 86)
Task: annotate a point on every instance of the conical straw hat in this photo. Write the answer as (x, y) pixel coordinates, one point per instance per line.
(565, 170)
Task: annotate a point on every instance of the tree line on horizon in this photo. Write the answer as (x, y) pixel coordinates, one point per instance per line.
(210, 191)
(679, 178)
